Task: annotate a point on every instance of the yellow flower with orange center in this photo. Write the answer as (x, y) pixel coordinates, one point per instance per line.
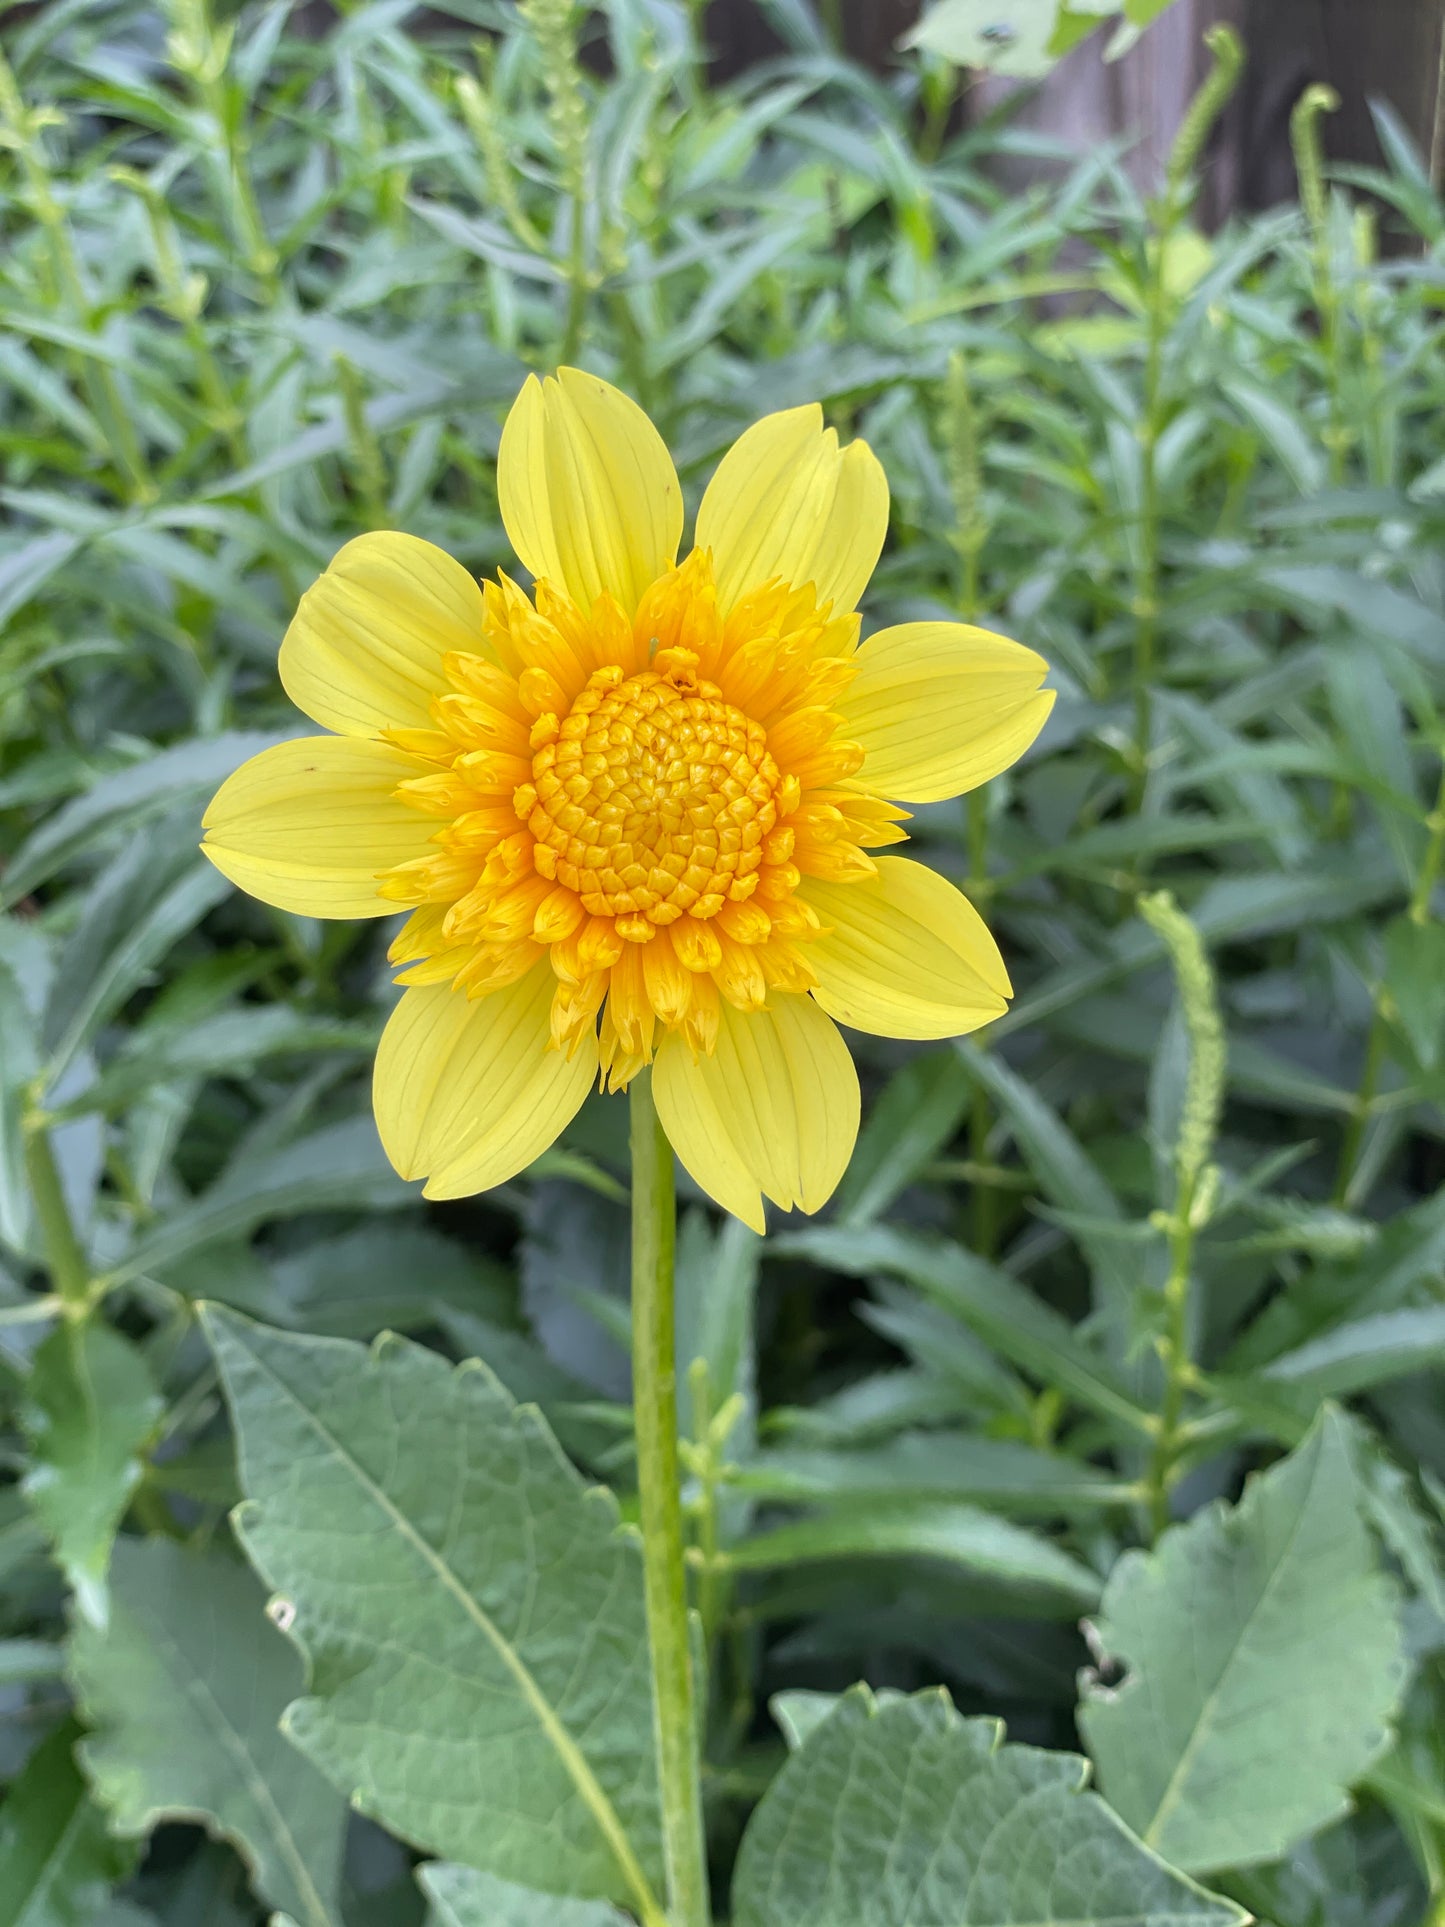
(632, 812)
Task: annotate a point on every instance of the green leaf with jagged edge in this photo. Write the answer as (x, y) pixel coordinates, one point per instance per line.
(58, 1863)
(1263, 1657)
(463, 1897)
(1009, 36)
(90, 1408)
(472, 1613)
(905, 1809)
(184, 1691)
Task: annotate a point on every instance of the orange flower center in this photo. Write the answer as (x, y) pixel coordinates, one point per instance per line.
(639, 803)
(653, 797)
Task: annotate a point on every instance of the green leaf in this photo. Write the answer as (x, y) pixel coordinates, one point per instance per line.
(1364, 1352)
(915, 1115)
(463, 1897)
(472, 1614)
(90, 1408)
(1008, 36)
(336, 1167)
(1000, 1473)
(398, 1275)
(905, 1811)
(57, 1860)
(146, 904)
(184, 1691)
(960, 1535)
(127, 797)
(999, 1309)
(1067, 1176)
(1264, 1663)
(1415, 978)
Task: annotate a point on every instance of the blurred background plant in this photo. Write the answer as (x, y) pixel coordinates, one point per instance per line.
(271, 280)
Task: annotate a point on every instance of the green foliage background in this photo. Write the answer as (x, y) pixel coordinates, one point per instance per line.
(1165, 1245)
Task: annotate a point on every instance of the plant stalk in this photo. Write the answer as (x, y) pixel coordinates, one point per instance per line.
(1196, 1180)
(654, 1392)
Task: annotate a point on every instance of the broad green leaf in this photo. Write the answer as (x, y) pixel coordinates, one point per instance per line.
(58, 1862)
(184, 1691)
(90, 1409)
(959, 1535)
(1009, 36)
(463, 1897)
(471, 1613)
(905, 1811)
(1263, 1665)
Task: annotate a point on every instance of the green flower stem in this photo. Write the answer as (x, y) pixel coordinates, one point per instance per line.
(1196, 1182)
(654, 1392)
(1174, 1351)
(1304, 137)
(68, 1266)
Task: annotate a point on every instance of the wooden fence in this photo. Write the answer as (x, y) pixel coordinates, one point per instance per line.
(1382, 49)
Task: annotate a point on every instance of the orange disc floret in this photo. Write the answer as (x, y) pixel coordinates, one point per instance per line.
(639, 801)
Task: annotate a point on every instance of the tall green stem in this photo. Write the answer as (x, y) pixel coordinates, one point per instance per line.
(654, 1392)
(1304, 136)
(1174, 1354)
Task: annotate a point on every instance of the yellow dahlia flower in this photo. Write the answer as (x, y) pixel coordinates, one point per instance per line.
(631, 812)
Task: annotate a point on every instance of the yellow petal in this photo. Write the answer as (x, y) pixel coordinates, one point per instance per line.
(786, 502)
(905, 954)
(364, 650)
(938, 708)
(774, 1110)
(589, 495)
(308, 825)
(467, 1092)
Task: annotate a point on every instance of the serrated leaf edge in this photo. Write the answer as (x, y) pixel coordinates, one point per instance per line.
(221, 1327)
